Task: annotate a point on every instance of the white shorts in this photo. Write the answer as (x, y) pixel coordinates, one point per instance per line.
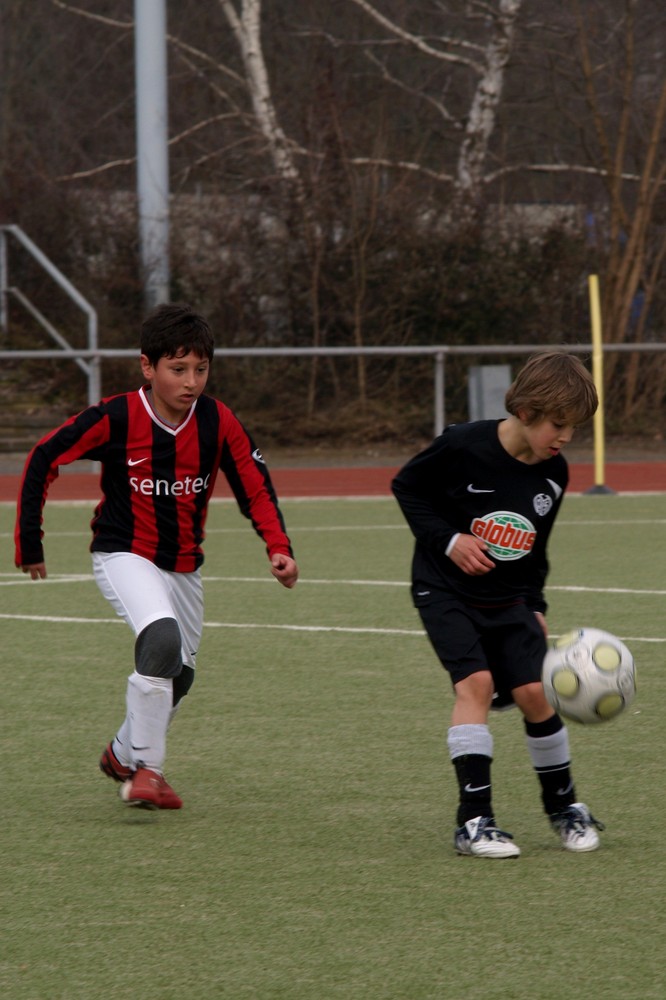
(141, 593)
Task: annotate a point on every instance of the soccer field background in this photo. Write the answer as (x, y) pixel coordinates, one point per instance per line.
(313, 856)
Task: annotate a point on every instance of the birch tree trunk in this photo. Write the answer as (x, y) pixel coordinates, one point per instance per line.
(246, 26)
(487, 63)
(483, 111)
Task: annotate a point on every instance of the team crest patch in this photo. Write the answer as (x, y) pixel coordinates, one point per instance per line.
(507, 535)
(542, 503)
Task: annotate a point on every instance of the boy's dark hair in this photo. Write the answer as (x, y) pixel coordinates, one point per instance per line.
(553, 385)
(175, 330)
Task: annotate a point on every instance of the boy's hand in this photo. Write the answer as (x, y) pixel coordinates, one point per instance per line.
(284, 569)
(469, 555)
(37, 571)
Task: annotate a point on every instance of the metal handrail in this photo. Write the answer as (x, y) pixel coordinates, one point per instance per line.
(437, 351)
(92, 369)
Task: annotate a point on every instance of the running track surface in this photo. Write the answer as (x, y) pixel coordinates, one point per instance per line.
(360, 481)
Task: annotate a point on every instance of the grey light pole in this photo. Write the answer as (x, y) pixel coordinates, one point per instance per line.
(152, 147)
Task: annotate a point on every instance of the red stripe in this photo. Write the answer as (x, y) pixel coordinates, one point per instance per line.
(140, 446)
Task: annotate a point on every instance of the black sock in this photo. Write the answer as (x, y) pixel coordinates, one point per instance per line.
(473, 774)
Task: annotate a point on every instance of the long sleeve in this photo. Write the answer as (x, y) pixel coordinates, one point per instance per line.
(247, 474)
(74, 439)
(413, 488)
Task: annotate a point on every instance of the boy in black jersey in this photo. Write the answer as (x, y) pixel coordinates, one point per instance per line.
(481, 502)
(160, 450)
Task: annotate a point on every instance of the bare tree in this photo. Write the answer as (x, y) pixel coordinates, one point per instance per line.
(321, 147)
(631, 127)
(483, 59)
(246, 26)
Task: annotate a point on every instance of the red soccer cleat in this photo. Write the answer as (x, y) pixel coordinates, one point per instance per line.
(149, 790)
(168, 798)
(111, 766)
(143, 790)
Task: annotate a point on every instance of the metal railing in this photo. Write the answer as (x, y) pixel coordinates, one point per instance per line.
(88, 361)
(438, 352)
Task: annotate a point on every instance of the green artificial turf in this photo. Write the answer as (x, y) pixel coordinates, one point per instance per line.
(313, 858)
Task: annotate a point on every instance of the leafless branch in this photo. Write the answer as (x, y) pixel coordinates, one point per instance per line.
(417, 168)
(419, 42)
(438, 106)
(108, 21)
(95, 171)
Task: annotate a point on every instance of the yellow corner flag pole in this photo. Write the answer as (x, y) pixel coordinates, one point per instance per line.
(598, 376)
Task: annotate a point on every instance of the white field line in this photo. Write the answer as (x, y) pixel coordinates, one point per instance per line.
(83, 532)
(13, 580)
(76, 620)
(88, 578)
(92, 501)
(323, 529)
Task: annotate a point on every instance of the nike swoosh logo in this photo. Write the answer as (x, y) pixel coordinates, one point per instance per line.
(258, 457)
(470, 489)
(135, 461)
(565, 791)
(478, 788)
(557, 490)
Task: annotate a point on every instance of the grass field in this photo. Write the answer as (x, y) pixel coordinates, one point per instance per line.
(313, 858)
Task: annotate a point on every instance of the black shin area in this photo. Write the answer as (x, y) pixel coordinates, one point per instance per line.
(157, 651)
(182, 683)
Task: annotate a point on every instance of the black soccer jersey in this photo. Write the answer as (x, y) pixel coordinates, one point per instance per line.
(156, 480)
(466, 482)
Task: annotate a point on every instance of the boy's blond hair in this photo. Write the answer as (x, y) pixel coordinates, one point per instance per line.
(553, 385)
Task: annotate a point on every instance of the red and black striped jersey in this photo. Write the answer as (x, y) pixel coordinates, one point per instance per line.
(156, 480)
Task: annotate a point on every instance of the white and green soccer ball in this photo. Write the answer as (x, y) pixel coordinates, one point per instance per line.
(589, 675)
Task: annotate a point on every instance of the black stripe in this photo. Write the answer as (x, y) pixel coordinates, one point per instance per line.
(114, 518)
(165, 507)
(207, 417)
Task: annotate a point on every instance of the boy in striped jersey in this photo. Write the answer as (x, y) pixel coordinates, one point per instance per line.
(160, 449)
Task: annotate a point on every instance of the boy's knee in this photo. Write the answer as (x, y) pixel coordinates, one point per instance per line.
(157, 651)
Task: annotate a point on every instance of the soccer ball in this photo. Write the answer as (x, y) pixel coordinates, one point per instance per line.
(589, 675)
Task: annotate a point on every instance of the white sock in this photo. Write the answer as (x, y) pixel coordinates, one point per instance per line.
(549, 752)
(149, 701)
(121, 741)
(469, 738)
(121, 744)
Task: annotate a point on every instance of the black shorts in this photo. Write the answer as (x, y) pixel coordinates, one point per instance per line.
(507, 641)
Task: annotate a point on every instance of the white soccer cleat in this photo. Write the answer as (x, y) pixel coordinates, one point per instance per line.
(576, 826)
(480, 838)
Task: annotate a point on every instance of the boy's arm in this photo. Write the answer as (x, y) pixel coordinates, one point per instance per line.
(72, 440)
(248, 476)
(414, 491)
(412, 488)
